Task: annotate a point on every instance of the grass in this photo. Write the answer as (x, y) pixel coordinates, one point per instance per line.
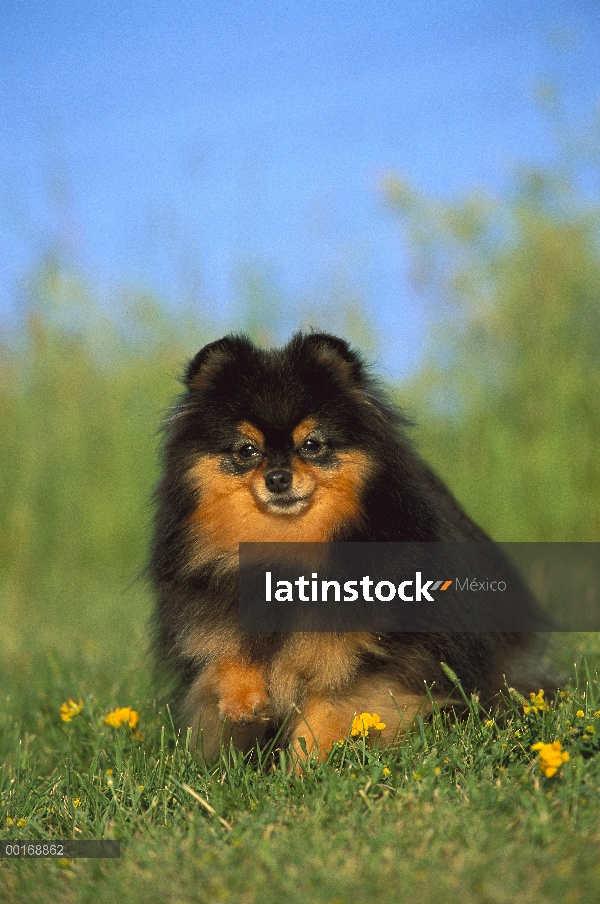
(460, 811)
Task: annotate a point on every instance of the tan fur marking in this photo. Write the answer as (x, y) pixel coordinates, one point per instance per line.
(249, 431)
(322, 723)
(316, 665)
(232, 509)
(303, 430)
(241, 690)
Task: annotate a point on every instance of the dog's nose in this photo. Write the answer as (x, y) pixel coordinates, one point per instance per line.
(278, 481)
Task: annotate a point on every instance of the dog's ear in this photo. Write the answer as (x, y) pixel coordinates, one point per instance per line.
(334, 352)
(212, 357)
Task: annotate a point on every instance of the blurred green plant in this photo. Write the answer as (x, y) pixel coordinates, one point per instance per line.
(81, 398)
(508, 398)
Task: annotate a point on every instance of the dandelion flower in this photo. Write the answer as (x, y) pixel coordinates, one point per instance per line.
(122, 715)
(580, 714)
(550, 757)
(362, 723)
(70, 709)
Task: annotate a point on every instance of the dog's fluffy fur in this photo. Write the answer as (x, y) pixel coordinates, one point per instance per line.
(297, 444)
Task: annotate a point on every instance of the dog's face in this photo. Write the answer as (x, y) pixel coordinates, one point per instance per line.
(283, 468)
(277, 444)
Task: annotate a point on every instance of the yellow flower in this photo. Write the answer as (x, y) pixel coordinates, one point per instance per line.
(9, 821)
(362, 723)
(386, 771)
(76, 802)
(550, 757)
(121, 715)
(590, 729)
(490, 722)
(580, 714)
(538, 704)
(597, 714)
(70, 709)
(21, 823)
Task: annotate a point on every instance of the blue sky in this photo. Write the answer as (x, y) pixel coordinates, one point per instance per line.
(196, 137)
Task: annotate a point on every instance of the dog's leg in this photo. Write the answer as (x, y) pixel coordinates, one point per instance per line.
(227, 701)
(325, 720)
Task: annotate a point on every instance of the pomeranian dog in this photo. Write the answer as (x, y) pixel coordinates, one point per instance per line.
(299, 445)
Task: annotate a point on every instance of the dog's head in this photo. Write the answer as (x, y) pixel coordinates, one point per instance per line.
(276, 445)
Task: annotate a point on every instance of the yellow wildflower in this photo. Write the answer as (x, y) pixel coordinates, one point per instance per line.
(76, 802)
(386, 771)
(580, 714)
(362, 723)
(597, 714)
(121, 715)
(537, 704)
(590, 729)
(70, 709)
(21, 823)
(551, 757)
(9, 821)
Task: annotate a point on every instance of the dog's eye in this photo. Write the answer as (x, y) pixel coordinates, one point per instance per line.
(247, 451)
(312, 446)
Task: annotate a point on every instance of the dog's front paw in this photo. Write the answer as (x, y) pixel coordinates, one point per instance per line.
(242, 692)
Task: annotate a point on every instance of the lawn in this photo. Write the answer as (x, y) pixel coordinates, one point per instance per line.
(460, 811)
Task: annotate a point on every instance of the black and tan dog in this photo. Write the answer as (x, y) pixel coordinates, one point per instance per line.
(300, 445)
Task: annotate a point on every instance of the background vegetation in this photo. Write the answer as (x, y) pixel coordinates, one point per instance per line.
(507, 406)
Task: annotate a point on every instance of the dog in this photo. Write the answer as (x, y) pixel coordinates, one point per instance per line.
(299, 445)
